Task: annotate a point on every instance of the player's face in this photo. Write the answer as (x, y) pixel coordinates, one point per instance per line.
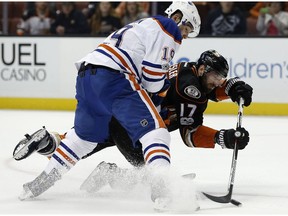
(185, 30)
(211, 80)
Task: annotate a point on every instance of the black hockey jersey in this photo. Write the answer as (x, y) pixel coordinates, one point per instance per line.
(185, 103)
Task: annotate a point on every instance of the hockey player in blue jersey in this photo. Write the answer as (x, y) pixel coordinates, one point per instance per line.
(115, 80)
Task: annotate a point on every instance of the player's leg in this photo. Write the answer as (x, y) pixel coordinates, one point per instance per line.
(143, 122)
(69, 152)
(91, 125)
(138, 119)
(46, 143)
(132, 153)
(110, 173)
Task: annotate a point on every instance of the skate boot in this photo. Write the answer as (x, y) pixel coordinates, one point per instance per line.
(100, 177)
(39, 185)
(40, 141)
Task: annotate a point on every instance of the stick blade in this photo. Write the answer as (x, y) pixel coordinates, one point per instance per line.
(236, 203)
(222, 199)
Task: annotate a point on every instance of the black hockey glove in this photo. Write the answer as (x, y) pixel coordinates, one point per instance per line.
(157, 98)
(236, 88)
(227, 138)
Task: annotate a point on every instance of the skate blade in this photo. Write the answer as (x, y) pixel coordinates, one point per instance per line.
(22, 149)
(26, 194)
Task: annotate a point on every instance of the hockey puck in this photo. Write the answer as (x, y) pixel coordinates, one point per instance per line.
(189, 176)
(236, 203)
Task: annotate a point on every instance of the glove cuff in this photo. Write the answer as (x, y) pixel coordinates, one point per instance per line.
(230, 83)
(220, 139)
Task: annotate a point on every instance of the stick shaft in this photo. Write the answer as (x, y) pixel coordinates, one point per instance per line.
(235, 151)
(228, 197)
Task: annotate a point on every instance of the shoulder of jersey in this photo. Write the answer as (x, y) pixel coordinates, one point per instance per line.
(169, 27)
(188, 82)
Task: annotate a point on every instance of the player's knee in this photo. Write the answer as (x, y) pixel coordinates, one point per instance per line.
(70, 151)
(159, 135)
(79, 146)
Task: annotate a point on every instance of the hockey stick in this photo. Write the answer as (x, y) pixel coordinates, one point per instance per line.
(228, 197)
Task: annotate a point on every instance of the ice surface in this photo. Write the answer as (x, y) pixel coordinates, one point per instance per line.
(261, 181)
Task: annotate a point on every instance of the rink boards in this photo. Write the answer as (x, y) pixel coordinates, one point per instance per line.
(39, 72)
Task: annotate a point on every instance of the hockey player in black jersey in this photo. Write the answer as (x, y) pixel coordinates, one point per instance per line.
(192, 85)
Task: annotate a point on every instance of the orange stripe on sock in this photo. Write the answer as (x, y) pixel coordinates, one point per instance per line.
(155, 151)
(65, 156)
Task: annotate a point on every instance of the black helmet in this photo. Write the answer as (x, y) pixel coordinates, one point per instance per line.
(214, 61)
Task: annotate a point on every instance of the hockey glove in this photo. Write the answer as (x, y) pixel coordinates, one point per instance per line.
(236, 88)
(157, 98)
(227, 138)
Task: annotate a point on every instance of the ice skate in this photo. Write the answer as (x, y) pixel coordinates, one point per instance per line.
(40, 141)
(175, 195)
(171, 204)
(160, 194)
(26, 193)
(39, 185)
(99, 177)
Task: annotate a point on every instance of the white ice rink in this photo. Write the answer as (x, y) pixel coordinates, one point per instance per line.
(261, 181)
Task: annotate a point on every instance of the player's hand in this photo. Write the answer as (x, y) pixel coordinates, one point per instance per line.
(228, 138)
(236, 88)
(157, 98)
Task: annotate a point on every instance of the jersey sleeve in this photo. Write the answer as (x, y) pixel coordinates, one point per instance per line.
(218, 94)
(202, 137)
(162, 41)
